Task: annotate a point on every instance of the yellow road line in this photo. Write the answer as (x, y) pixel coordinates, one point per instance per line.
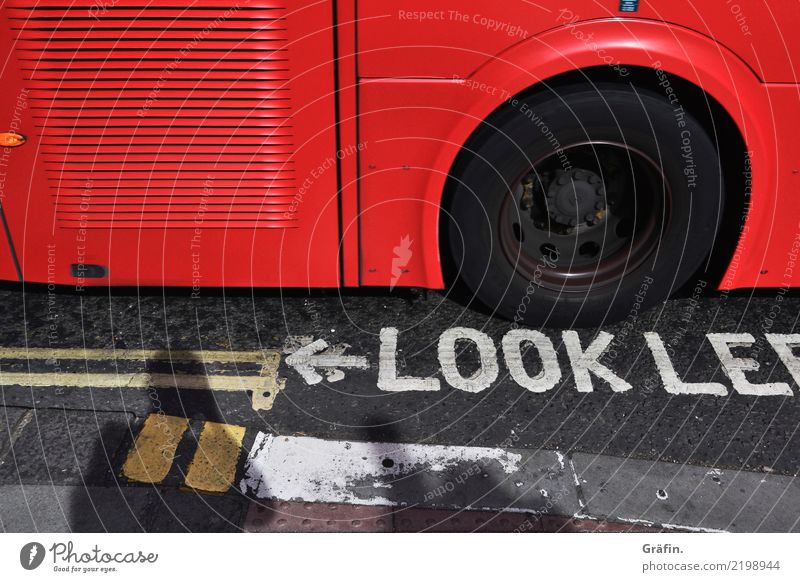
(213, 467)
(221, 356)
(264, 387)
(135, 380)
(264, 397)
(153, 451)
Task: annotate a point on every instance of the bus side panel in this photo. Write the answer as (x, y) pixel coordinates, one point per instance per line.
(406, 122)
(768, 253)
(453, 38)
(203, 154)
(416, 128)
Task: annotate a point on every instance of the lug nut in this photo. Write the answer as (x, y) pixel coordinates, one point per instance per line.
(589, 217)
(600, 205)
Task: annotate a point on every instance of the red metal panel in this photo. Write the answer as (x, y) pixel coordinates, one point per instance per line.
(187, 146)
(417, 127)
(419, 38)
(446, 38)
(768, 249)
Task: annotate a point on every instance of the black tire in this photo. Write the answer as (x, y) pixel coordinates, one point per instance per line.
(532, 173)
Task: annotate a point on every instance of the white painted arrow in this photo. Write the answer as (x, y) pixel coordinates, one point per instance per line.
(307, 358)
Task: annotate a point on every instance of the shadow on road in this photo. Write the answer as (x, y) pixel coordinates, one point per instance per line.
(109, 501)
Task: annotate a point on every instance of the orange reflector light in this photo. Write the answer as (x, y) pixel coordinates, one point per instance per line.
(9, 139)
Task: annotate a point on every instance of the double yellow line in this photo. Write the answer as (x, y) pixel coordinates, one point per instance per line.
(213, 465)
(264, 387)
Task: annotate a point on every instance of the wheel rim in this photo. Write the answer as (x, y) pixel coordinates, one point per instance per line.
(584, 218)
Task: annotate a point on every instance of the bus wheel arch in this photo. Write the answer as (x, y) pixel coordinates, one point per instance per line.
(706, 111)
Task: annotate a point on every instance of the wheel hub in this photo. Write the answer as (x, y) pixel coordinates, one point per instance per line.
(575, 197)
(571, 229)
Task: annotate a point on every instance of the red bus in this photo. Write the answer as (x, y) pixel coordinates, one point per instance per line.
(565, 165)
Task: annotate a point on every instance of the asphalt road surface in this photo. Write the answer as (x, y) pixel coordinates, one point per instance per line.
(82, 372)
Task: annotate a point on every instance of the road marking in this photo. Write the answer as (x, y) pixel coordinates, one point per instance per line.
(264, 387)
(388, 380)
(783, 344)
(550, 373)
(14, 432)
(735, 368)
(585, 362)
(317, 470)
(672, 382)
(538, 482)
(264, 397)
(213, 467)
(586, 365)
(153, 452)
(307, 358)
(221, 356)
(317, 360)
(489, 369)
(134, 380)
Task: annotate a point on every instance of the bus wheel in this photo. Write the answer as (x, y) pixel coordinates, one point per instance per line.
(584, 206)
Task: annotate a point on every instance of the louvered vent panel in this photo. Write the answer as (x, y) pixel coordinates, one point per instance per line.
(156, 116)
